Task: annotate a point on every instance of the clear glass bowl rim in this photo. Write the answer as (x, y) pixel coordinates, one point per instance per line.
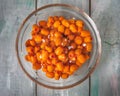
(91, 22)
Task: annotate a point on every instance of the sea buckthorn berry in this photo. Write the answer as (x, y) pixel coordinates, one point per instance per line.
(42, 46)
(72, 55)
(78, 40)
(29, 49)
(78, 51)
(62, 57)
(56, 18)
(52, 55)
(78, 63)
(44, 55)
(73, 28)
(44, 31)
(43, 23)
(48, 48)
(50, 74)
(79, 23)
(73, 67)
(57, 41)
(38, 54)
(50, 68)
(38, 38)
(60, 66)
(35, 28)
(64, 42)
(59, 50)
(85, 33)
(32, 42)
(44, 69)
(33, 59)
(61, 18)
(65, 23)
(88, 39)
(73, 45)
(36, 66)
(61, 28)
(57, 76)
(50, 19)
(27, 43)
(67, 31)
(81, 58)
(28, 57)
(56, 24)
(89, 46)
(57, 34)
(64, 76)
(66, 69)
(72, 21)
(54, 61)
(36, 49)
(79, 29)
(71, 37)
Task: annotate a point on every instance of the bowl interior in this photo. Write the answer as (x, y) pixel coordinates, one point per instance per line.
(25, 33)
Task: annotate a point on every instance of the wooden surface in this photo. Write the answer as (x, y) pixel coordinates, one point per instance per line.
(105, 81)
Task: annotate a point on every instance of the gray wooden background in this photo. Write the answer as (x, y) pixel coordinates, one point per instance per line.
(105, 81)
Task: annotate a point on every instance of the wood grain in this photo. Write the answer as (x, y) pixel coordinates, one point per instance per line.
(13, 81)
(105, 79)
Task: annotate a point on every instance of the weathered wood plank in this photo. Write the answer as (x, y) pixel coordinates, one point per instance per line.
(105, 79)
(13, 81)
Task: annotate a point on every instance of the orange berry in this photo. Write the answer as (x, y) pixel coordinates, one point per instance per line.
(71, 37)
(79, 23)
(64, 76)
(88, 39)
(27, 57)
(48, 48)
(78, 51)
(44, 31)
(50, 68)
(56, 24)
(89, 46)
(29, 49)
(36, 66)
(57, 76)
(57, 34)
(78, 40)
(73, 28)
(61, 28)
(44, 69)
(67, 31)
(61, 18)
(62, 57)
(32, 42)
(60, 66)
(43, 23)
(59, 50)
(66, 69)
(72, 21)
(50, 74)
(85, 33)
(33, 59)
(65, 23)
(73, 45)
(35, 28)
(78, 63)
(37, 38)
(73, 67)
(81, 58)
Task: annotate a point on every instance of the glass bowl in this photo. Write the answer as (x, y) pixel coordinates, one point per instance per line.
(67, 11)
